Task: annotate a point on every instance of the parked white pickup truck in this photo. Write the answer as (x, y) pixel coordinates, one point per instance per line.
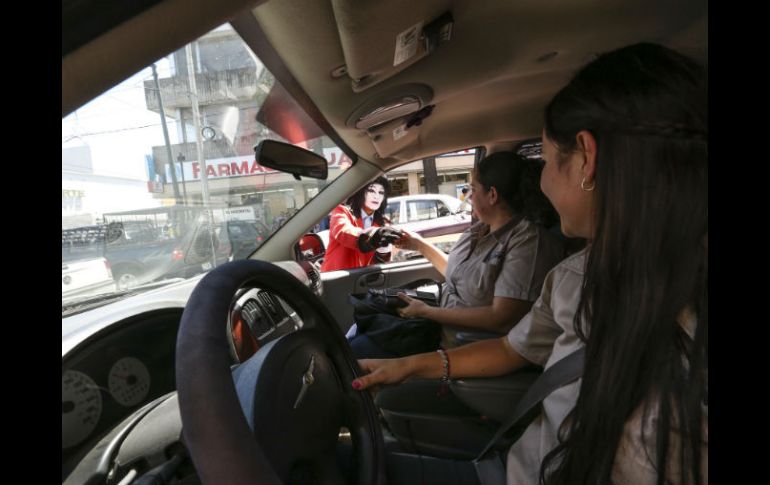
(86, 277)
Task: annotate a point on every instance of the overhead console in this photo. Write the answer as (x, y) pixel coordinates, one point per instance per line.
(376, 50)
(390, 117)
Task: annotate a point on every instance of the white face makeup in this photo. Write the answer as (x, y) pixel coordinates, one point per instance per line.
(375, 193)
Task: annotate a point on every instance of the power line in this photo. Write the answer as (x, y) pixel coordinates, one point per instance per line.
(118, 175)
(105, 132)
(172, 120)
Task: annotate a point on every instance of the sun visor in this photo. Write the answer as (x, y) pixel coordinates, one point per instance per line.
(380, 39)
(281, 114)
(391, 137)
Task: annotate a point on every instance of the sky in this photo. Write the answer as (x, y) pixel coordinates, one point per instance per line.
(118, 128)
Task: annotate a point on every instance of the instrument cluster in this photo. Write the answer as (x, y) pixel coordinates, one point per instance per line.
(113, 375)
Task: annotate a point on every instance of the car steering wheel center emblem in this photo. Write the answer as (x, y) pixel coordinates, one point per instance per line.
(307, 380)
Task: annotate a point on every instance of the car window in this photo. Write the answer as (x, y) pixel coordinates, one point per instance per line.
(421, 210)
(170, 150)
(393, 212)
(140, 233)
(442, 209)
(437, 219)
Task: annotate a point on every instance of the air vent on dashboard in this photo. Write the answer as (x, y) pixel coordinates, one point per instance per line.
(253, 316)
(251, 308)
(315, 279)
(311, 270)
(271, 306)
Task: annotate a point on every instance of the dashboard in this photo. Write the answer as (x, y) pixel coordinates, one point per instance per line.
(128, 363)
(112, 375)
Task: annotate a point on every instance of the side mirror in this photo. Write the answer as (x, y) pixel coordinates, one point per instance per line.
(310, 247)
(115, 231)
(291, 159)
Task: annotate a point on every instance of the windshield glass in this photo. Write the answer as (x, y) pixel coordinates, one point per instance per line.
(159, 180)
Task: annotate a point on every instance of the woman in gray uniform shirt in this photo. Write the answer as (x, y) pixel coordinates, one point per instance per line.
(496, 269)
(625, 145)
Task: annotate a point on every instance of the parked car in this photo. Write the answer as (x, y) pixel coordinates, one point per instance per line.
(86, 277)
(137, 252)
(429, 214)
(141, 255)
(246, 237)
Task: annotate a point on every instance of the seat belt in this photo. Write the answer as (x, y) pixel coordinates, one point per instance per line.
(490, 467)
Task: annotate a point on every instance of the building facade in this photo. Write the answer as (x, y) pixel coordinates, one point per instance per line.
(226, 87)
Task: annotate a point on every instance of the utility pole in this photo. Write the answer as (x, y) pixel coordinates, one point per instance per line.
(181, 160)
(199, 147)
(165, 134)
(431, 176)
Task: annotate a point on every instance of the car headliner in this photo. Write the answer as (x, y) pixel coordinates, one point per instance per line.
(489, 83)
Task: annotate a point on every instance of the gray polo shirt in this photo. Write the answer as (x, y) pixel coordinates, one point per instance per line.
(544, 336)
(511, 262)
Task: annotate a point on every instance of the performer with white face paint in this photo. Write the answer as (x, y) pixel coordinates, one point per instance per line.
(373, 197)
(358, 231)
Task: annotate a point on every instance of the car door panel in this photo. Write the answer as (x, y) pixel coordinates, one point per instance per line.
(371, 280)
(338, 285)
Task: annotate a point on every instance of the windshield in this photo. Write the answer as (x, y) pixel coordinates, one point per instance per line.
(159, 180)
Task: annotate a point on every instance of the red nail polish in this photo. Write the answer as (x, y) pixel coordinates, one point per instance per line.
(356, 385)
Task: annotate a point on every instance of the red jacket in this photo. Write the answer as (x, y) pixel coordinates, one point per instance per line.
(343, 252)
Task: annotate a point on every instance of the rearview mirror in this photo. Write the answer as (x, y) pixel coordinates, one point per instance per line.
(291, 159)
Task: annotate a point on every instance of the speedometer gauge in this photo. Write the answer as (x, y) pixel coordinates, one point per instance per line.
(129, 381)
(81, 407)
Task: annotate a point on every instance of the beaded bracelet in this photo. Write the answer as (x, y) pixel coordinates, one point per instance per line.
(445, 362)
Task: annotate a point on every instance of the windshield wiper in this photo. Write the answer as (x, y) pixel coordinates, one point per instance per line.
(73, 306)
(77, 305)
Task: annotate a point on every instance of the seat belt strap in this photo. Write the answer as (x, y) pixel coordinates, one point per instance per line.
(566, 370)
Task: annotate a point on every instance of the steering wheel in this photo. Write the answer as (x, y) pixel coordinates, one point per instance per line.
(276, 418)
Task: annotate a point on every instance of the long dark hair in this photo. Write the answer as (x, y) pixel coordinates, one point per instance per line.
(517, 181)
(356, 201)
(647, 108)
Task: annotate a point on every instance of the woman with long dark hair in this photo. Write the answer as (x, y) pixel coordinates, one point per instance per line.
(357, 230)
(625, 146)
(641, 114)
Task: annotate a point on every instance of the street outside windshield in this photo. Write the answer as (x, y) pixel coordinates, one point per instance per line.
(159, 180)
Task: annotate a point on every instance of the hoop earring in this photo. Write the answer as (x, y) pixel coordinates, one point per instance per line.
(587, 189)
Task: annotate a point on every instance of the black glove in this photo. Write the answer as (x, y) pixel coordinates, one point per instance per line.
(379, 238)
